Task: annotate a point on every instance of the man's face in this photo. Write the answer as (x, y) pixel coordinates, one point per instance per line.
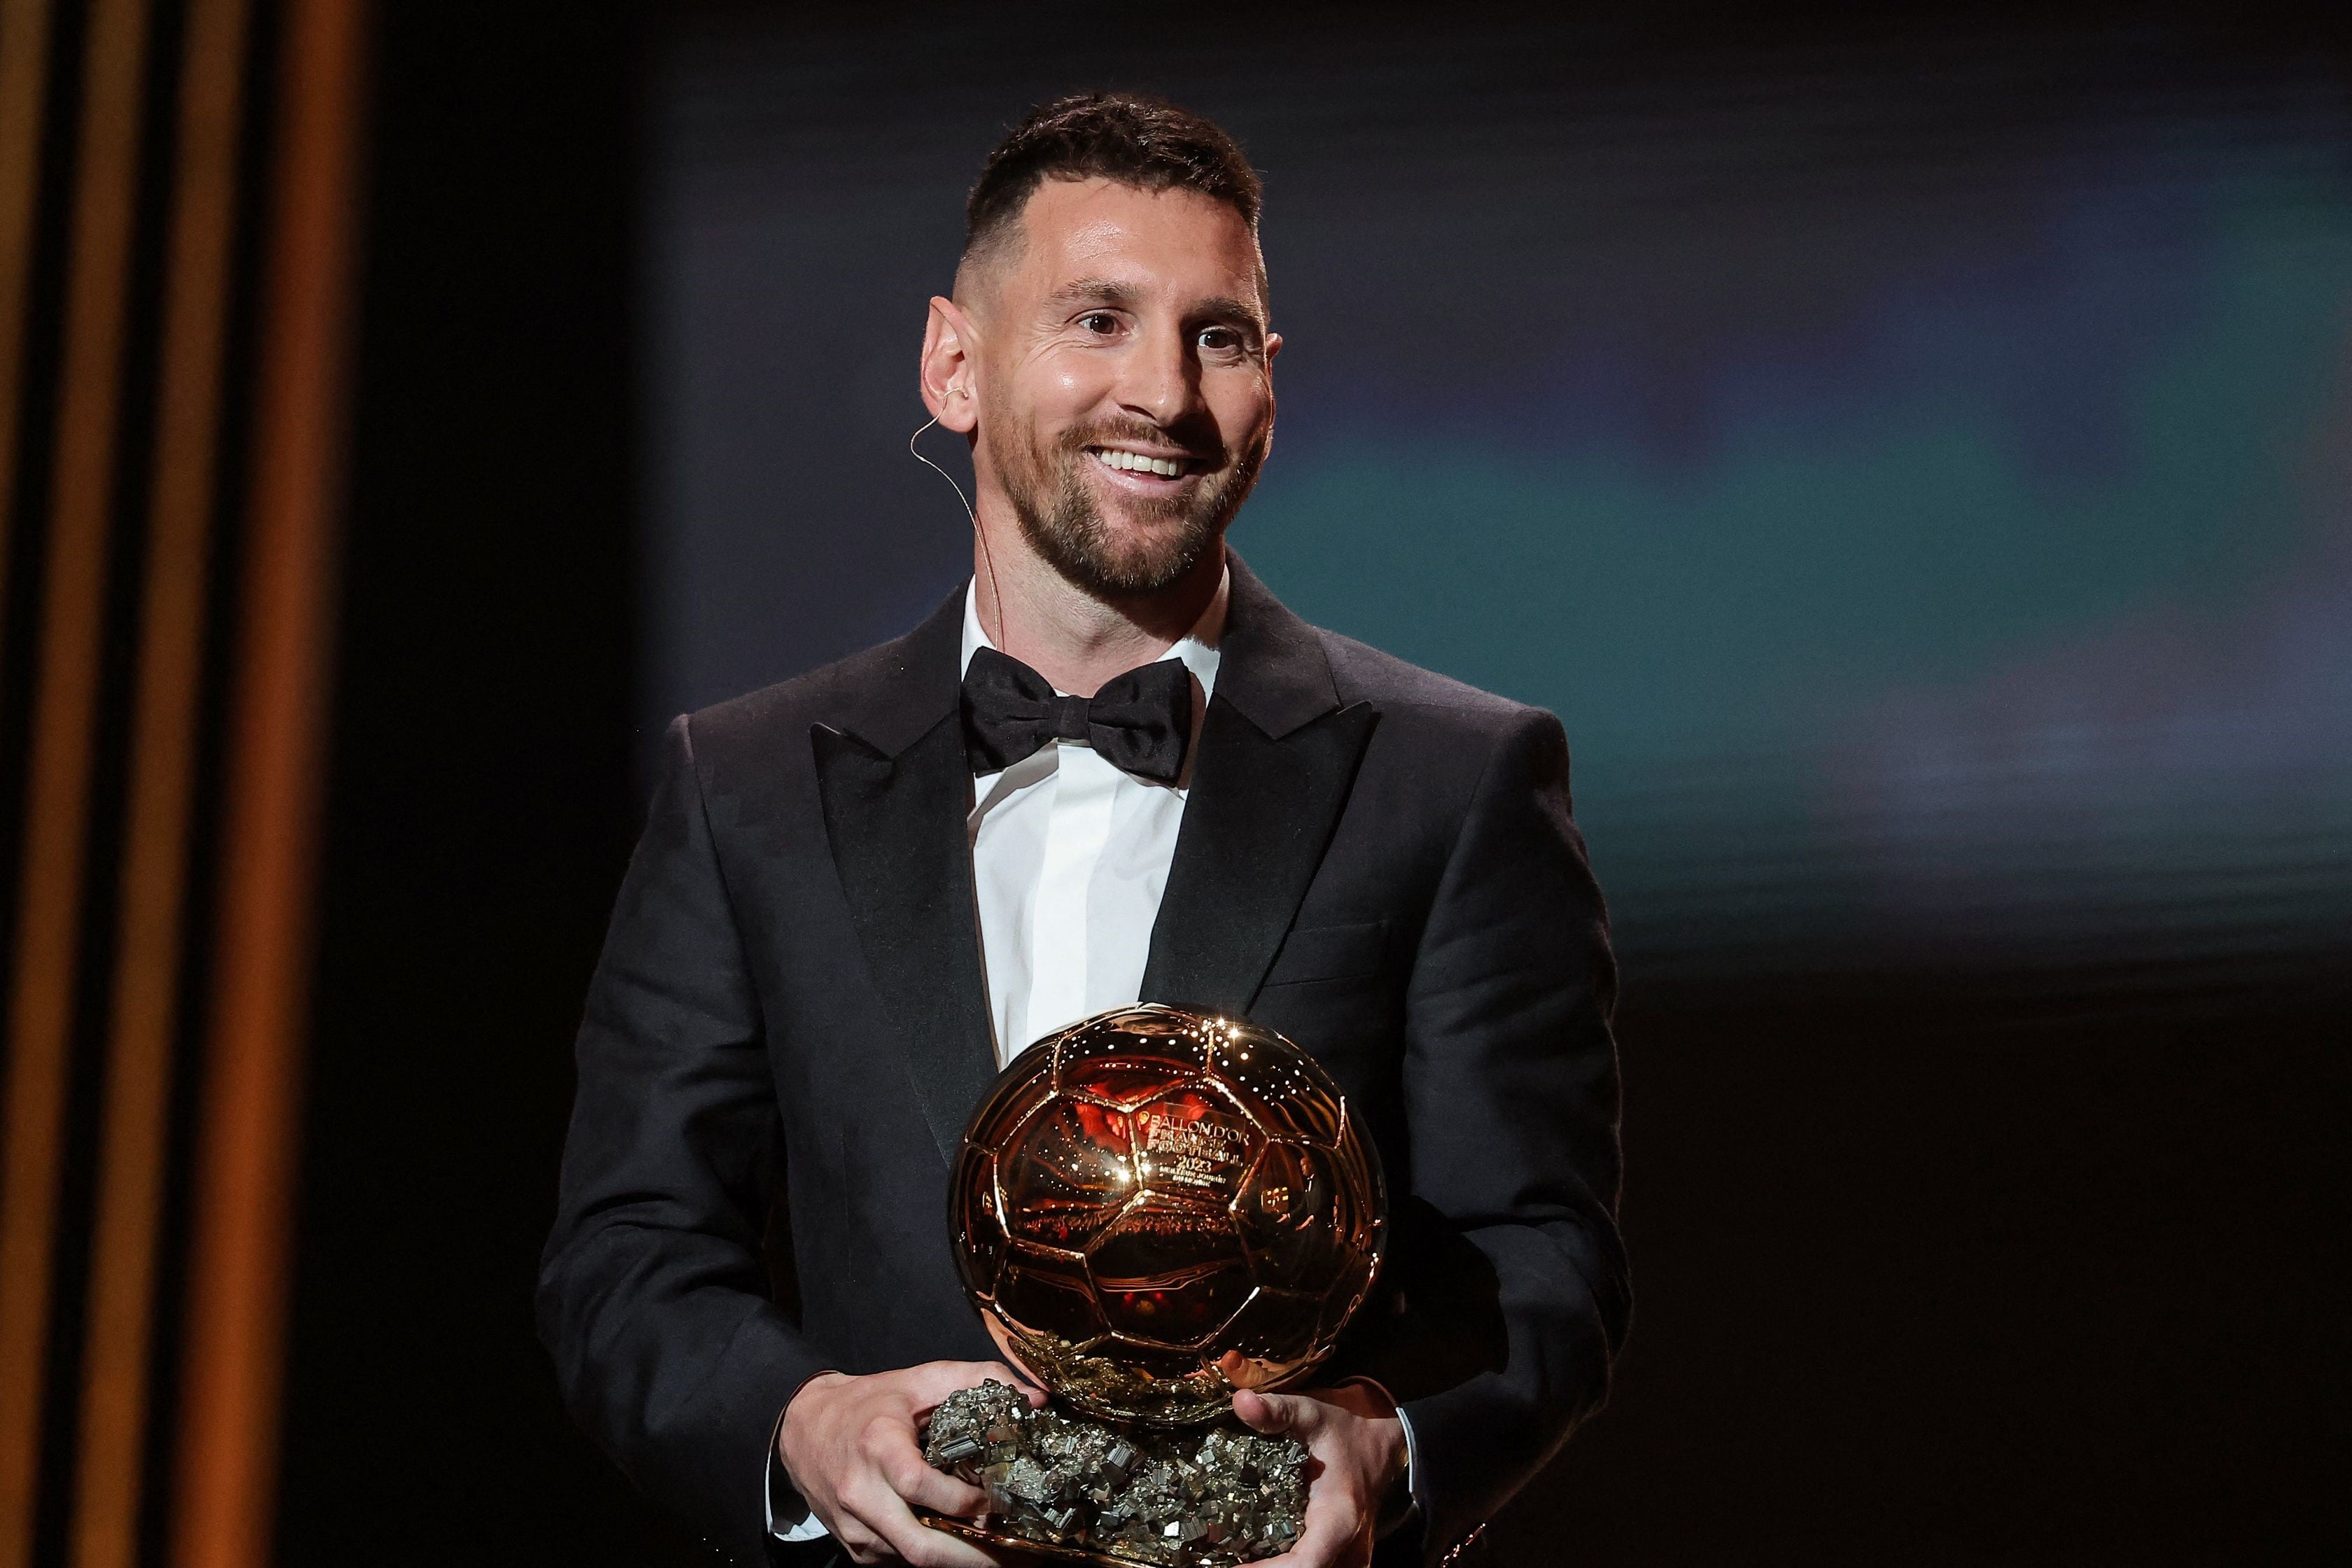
(1125, 399)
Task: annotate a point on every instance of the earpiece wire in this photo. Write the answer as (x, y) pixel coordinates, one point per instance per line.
(987, 561)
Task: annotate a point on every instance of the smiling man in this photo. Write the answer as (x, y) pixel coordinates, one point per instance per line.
(1111, 768)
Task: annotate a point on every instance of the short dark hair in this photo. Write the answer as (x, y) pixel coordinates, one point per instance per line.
(1130, 137)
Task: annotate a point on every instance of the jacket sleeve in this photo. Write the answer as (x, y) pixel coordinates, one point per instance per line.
(653, 1293)
(1511, 1104)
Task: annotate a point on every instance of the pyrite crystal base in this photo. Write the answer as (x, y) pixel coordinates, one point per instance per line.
(1071, 1486)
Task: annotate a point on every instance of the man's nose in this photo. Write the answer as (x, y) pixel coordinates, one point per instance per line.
(1158, 381)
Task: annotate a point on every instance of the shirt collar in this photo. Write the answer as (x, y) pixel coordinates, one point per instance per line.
(1197, 648)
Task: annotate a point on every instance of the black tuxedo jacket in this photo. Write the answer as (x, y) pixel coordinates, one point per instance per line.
(788, 1028)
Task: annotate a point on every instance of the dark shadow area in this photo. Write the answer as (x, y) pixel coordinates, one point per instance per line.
(1929, 1270)
(1430, 1276)
(481, 811)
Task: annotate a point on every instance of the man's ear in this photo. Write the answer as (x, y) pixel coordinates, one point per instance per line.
(948, 367)
(1273, 347)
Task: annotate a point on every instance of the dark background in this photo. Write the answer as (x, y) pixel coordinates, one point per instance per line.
(1948, 1248)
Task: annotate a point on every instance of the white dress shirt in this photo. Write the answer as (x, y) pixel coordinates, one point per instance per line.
(1069, 858)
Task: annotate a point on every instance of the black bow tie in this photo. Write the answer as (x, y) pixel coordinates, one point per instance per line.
(1140, 722)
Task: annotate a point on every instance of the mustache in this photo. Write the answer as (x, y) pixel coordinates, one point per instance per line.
(1141, 433)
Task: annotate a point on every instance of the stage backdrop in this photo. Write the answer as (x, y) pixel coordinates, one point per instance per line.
(1915, 465)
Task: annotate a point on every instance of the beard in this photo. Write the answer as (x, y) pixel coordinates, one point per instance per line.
(1160, 544)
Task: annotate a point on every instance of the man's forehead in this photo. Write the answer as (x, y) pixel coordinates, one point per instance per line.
(1095, 236)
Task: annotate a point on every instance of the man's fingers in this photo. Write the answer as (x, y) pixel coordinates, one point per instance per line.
(1012, 1377)
(1277, 1413)
(861, 1545)
(1336, 1530)
(1259, 1413)
(1322, 1542)
(892, 1456)
(934, 1381)
(935, 1489)
(887, 1516)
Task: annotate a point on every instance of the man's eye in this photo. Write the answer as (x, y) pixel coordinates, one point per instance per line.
(1099, 322)
(1221, 340)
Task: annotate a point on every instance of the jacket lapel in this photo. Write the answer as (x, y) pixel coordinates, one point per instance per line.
(896, 790)
(1279, 754)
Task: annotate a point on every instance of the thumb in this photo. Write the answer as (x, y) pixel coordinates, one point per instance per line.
(1274, 1414)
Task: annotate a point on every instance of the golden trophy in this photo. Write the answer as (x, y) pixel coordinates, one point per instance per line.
(1152, 1208)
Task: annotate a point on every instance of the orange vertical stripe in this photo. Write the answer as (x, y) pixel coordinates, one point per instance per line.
(24, 81)
(246, 1157)
(134, 1126)
(64, 701)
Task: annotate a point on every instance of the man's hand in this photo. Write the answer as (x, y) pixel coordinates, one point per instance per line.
(1356, 1443)
(848, 1444)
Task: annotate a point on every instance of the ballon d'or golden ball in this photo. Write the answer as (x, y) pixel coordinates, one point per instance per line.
(1154, 1207)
